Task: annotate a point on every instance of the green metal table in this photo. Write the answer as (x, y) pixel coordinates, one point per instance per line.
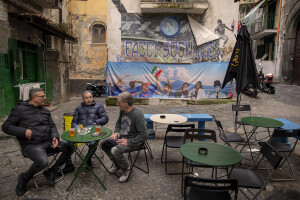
(86, 139)
(257, 122)
(218, 155)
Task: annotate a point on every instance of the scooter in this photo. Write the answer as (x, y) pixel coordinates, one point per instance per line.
(265, 82)
(97, 90)
(250, 91)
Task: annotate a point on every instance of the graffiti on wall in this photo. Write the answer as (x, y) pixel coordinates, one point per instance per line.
(167, 39)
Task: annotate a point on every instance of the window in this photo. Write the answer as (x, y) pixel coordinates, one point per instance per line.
(98, 33)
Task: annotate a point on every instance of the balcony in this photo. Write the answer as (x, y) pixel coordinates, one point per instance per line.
(174, 6)
(51, 4)
(263, 26)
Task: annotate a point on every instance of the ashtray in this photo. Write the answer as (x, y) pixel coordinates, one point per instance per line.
(202, 150)
(162, 116)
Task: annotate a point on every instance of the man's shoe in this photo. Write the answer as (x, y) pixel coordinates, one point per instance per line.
(114, 169)
(21, 186)
(124, 176)
(67, 169)
(50, 176)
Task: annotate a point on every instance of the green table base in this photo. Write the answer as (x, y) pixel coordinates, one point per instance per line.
(86, 139)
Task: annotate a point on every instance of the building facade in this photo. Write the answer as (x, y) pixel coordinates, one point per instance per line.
(35, 47)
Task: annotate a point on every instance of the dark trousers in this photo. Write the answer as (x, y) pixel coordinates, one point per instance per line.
(38, 153)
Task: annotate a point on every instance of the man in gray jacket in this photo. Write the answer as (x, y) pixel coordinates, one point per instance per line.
(37, 134)
(130, 132)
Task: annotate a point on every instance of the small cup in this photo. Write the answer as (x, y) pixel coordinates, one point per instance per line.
(98, 129)
(72, 132)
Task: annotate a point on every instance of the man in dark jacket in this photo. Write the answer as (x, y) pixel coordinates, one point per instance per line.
(130, 132)
(89, 113)
(33, 126)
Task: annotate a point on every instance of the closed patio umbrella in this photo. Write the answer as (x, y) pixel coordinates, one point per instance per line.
(242, 66)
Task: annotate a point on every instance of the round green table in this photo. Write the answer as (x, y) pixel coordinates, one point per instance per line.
(218, 155)
(77, 138)
(257, 122)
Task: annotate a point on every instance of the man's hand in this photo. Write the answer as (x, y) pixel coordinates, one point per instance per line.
(122, 141)
(28, 134)
(54, 143)
(115, 136)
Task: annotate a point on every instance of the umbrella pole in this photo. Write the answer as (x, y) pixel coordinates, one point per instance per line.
(236, 112)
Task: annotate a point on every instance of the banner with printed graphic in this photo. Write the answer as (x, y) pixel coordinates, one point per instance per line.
(164, 39)
(153, 80)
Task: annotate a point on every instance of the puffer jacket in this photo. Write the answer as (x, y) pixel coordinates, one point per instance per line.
(89, 115)
(37, 119)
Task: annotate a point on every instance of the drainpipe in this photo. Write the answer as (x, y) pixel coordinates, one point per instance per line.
(277, 36)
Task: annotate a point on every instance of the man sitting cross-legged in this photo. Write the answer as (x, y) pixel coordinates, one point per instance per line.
(130, 132)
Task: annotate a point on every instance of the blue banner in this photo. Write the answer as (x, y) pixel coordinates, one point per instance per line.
(153, 80)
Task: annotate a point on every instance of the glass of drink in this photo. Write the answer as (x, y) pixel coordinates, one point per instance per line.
(72, 132)
(98, 128)
(78, 129)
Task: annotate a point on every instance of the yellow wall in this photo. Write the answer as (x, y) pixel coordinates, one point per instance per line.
(90, 57)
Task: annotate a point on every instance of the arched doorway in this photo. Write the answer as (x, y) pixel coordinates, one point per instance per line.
(296, 67)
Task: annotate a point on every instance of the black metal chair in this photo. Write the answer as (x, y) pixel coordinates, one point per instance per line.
(209, 189)
(228, 137)
(51, 154)
(173, 141)
(142, 147)
(237, 109)
(285, 149)
(189, 136)
(247, 178)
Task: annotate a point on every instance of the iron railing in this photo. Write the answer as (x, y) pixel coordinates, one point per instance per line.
(267, 21)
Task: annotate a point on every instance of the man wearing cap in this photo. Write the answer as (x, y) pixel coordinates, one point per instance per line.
(217, 92)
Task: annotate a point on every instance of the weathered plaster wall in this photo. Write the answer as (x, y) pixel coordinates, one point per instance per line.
(90, 57)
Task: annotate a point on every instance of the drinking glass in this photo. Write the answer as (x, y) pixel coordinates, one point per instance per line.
(72, 132)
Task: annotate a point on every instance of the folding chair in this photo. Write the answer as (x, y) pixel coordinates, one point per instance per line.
(228, 137)
(142, 147)
(173, 141)
(247, 178)
(209, 189)
(236, 117)
(38, 175)
(285, 149)
(189, 136)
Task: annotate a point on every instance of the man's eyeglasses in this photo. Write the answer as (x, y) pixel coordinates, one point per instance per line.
(88, 97)
(43, 96)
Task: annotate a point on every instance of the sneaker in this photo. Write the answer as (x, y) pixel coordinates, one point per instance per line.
(50, 176)
(114, 169)
(124, 176)
(67, 169)
(21, 186)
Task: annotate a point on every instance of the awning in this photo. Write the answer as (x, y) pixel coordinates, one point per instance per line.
(202, 35)
(251, 16)
(46, 24)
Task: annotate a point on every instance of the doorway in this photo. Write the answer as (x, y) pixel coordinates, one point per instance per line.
(296, 68)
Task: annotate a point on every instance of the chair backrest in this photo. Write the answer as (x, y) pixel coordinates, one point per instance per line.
(179, 128)
(211, 185)
(286, 133)
(198, 133)
(219, 125)
(240, 108)
(271, 154)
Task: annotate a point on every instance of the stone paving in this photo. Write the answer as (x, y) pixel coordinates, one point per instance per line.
(155, 185)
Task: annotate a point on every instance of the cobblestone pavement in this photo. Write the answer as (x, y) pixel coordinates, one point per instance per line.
(155, 185)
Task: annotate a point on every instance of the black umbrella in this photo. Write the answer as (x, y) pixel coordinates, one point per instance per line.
(242, 65)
